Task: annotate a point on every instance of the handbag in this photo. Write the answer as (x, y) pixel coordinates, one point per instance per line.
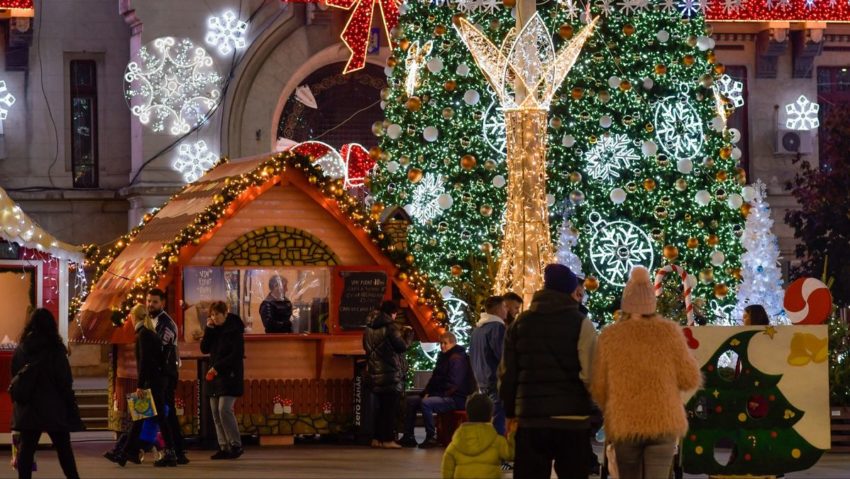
(141, 406)
(611, 456)
(23, 385)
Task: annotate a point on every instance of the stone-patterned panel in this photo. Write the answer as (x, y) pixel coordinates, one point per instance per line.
(277, 246)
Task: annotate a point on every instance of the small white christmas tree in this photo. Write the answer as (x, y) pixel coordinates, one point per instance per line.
(762, 279)
(567, 239)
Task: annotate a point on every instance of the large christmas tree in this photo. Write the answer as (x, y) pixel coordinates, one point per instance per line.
(637, 143)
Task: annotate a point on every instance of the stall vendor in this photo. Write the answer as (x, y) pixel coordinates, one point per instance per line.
(276, 310)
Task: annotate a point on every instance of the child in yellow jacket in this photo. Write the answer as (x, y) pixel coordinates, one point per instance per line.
(477, 451)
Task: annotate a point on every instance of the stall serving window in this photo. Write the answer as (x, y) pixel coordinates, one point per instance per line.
(269, 300)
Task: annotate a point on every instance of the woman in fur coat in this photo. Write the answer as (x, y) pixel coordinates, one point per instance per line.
(641, 366)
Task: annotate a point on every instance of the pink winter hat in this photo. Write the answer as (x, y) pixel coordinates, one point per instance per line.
(639, 294)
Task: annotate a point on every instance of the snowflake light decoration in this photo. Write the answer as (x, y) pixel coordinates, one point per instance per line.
(457, 311)
(6, 98)
(194, 160)
(690, 8)
(470, 6)
(425, 206)
(610, 156)
(171, 84)
(731, 89)
(617, 247)
(679, 128)
(802, 114)
(495, 133)
(226, 32)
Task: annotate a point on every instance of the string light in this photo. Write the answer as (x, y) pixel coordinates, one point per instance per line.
(788, 10)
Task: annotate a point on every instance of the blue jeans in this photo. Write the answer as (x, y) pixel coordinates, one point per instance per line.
(498, 408)
(428, 406)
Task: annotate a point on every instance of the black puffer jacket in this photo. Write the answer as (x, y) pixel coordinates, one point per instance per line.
(452, 377)
(385, 347)
(539, 374)
(226, 346)
(54, 407)
(150, 360)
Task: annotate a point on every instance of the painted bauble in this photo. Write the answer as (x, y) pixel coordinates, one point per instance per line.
(467, 162)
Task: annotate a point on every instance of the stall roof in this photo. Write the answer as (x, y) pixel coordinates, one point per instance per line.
(180, 213)
(17, 227)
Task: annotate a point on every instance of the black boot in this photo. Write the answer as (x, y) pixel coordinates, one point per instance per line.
(169, 459)
(221, 454)
(407, 441)
(236, 451)
(117, 457)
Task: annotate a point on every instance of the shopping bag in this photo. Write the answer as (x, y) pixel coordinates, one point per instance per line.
(611, 456)
(16, 449)
(150, 429)
(141, 406)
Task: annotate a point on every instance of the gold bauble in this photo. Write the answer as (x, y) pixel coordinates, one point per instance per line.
(712, 240)
(440, 30)
(671, 252)
(720, 290)
(487, 247)
(565, 31)
(625, 85)
(392, 62)
(719, 68)
(467, 162)
(450, 85)
(509, 3)
(402, 276)
(413, 104)
(736, 273)
(726, 152)
(409, 258)
(404, 44)
(490, 165)
(575, 177)
(375, 153)
(173, 259)
(377, 208)
(631, 187)
(649, 184)
(649, 128)
(745, 210)
(720, 176)
(414, 175)
(555, 122)
(628, 29)
(577, 93)
(693, 242)
(591, 283)
(456, 270)
(706, 276)
(688, 60)
(740, 176)
(660, 69)
(486, 210)
(448, 113)
(604, 96)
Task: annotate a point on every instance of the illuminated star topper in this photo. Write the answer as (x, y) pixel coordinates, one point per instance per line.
(528, 56)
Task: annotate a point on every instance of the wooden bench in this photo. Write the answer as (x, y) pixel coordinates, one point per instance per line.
(447, 423)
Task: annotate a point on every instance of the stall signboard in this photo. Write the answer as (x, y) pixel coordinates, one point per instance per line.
(201, 286)
(359, 291)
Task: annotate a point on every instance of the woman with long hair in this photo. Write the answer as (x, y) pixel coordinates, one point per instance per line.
(51, 407)
(224, 342)
(641, 366)
(755, 315)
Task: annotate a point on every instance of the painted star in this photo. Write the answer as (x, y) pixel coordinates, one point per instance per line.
(770, 331)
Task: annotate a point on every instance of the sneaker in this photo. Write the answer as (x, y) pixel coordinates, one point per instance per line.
(236, 451)
(507, 466)
(182, 459)
(221, 454)
(407, 441)
(429, 442)
(168, 460)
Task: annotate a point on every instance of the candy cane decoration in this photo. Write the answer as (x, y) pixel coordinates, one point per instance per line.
(659, 277)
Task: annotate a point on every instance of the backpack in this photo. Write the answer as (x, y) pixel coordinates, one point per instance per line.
(24, 383)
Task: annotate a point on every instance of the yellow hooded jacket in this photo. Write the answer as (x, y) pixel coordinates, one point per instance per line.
(477, 452)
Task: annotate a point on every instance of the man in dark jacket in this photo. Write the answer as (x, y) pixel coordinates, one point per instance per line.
(450, 384)
(385, 346)
(166, 330)
(485, 352)
(544, 376)
(276, 310)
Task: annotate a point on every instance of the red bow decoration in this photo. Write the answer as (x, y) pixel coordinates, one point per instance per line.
(358, 162)
(356, 31)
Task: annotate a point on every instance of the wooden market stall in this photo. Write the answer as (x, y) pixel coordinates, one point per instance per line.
(35, 271)
(228, 236)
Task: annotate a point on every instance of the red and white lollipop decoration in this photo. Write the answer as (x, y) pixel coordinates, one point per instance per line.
(672, 268)
(807, 301)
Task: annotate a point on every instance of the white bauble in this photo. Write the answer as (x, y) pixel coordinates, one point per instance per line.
(394, 131)
(685, 166)
(447, 292)
(430, 133)
(471, 97)
(499, 181)
(649, 148)
(749, 193)
(734, 135)
(435, 65)
(618, 196)
(462, 70)
(735, 201)
(703, 43)
(568, 140)
(550, 199)
(736, 153)
(445, 201)
(392, 166)
(717, 258)
(648, 83)
(614, 82)
(662, 36)
(605, 121)
(702, 197)
(691, 281)
(718, 124)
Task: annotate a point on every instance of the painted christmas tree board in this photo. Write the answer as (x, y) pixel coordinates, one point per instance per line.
(766, 396)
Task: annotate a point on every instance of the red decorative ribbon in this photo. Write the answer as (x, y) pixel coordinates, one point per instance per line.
(356, 31)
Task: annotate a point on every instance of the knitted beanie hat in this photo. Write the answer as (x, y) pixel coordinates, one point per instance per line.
(479, 408)
(559, 278)
(639, 294)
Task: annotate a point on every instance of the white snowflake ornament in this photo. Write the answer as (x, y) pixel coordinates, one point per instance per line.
(616, 247)
(679, 128)
(610, 156)
(6, 98)
(194, 160)
(731, 89)
(802, 114)
(425, 204)
(226, 32)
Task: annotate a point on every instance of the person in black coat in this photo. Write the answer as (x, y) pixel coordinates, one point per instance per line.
(52, 407)
(386, 365)
(276, 310)
(150, 372)
(450, 384)
(224, 342)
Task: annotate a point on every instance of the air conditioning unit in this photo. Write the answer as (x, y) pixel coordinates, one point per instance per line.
(793, 142)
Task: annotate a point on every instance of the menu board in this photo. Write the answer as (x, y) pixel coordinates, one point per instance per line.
(362, 292)
(201, 286)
